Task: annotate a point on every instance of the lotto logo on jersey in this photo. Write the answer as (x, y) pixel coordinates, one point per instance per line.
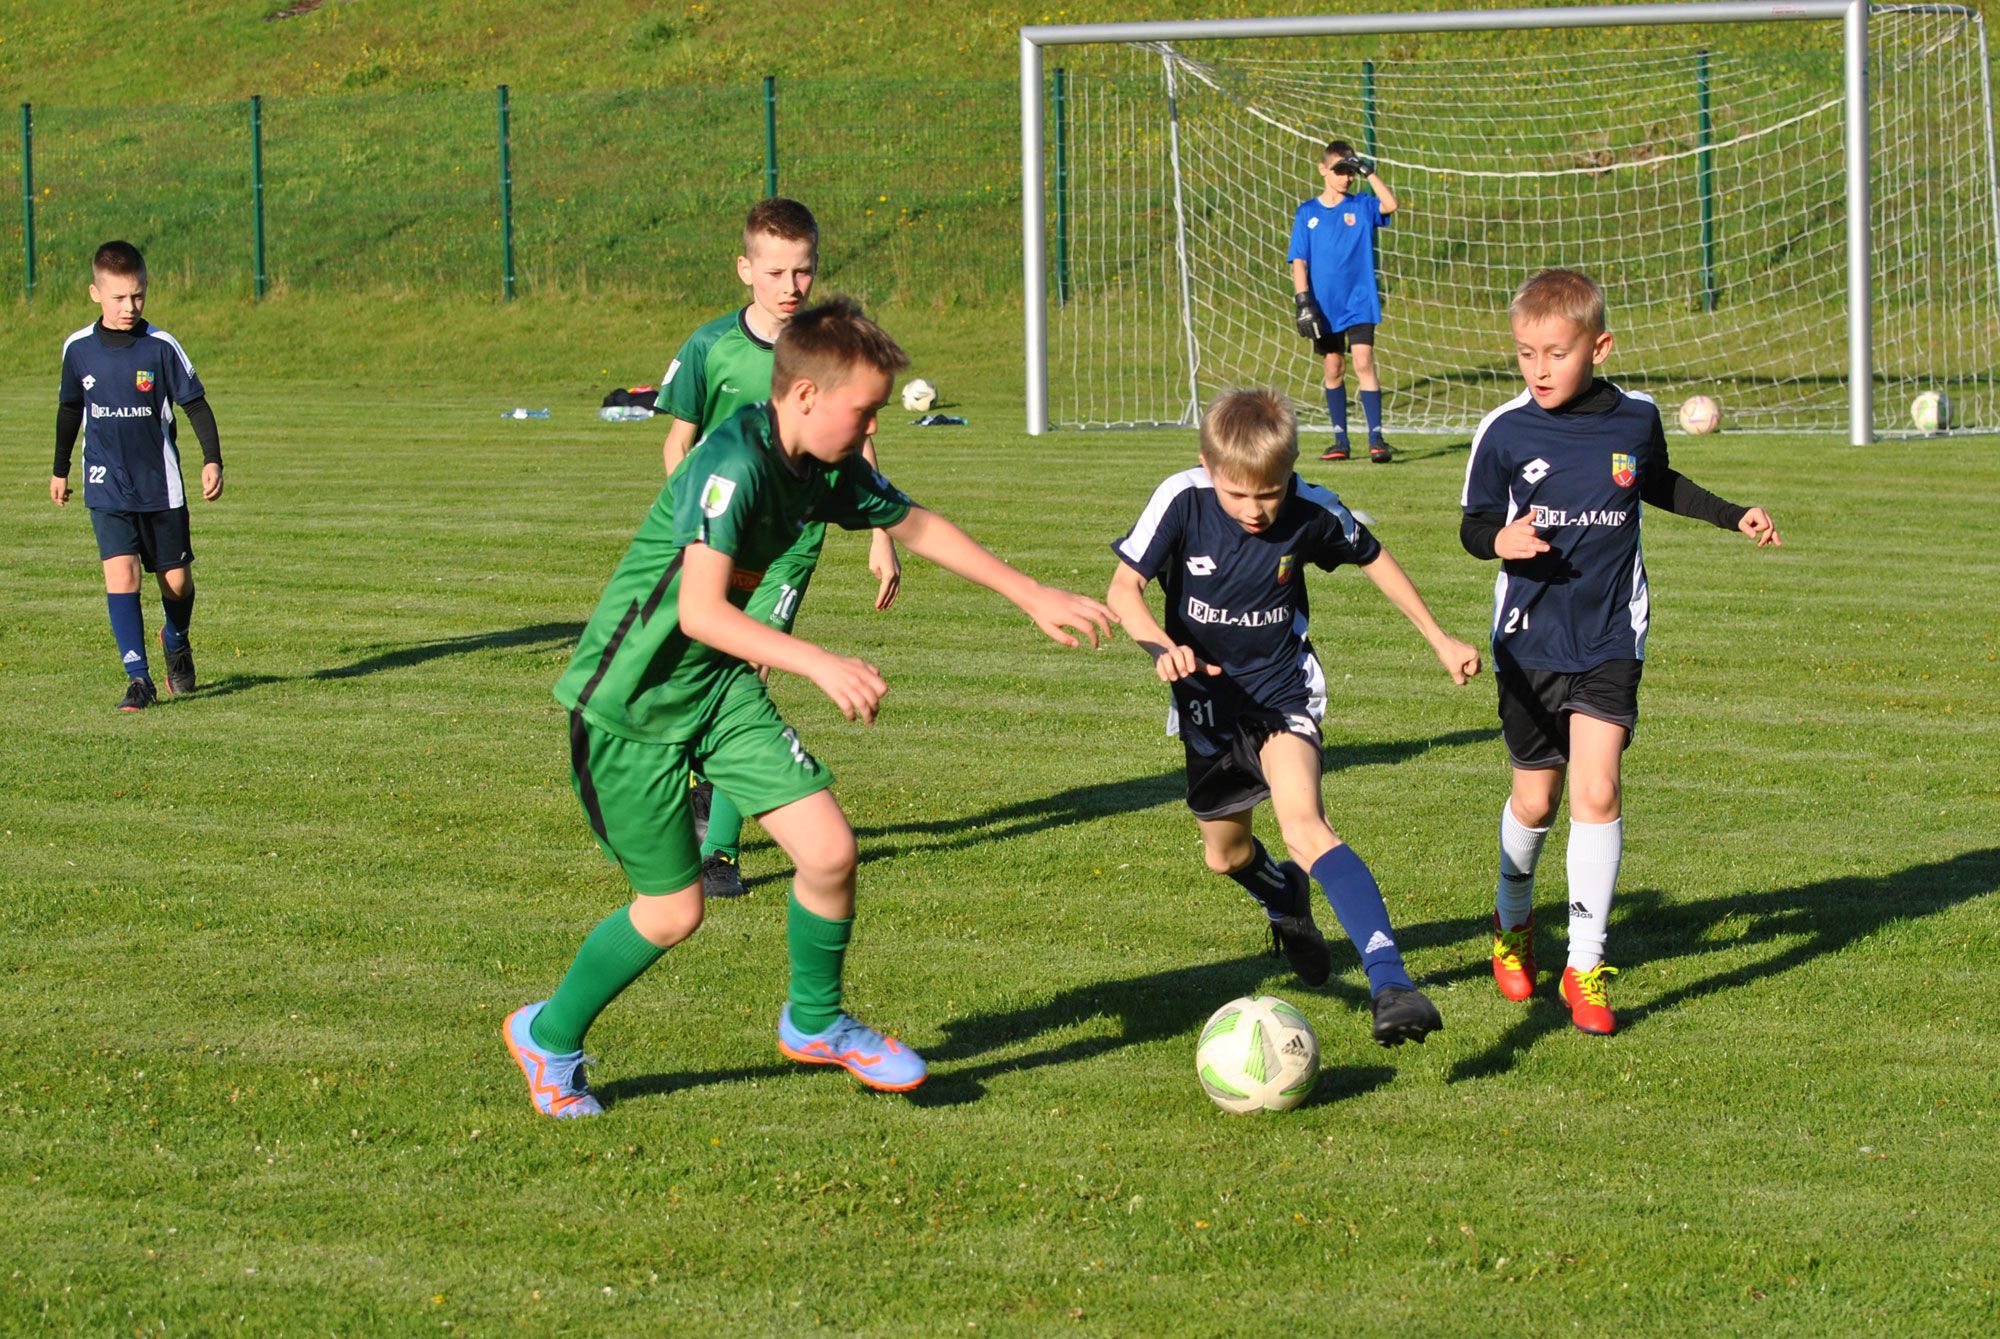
(1284, 569)
(1622, 469)
(1312, 223)
(145, 380)
(715, 495)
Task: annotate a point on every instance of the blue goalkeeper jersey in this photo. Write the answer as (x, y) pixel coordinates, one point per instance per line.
(1337, 243)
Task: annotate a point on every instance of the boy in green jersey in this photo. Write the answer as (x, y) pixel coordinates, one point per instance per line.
(723, 366)
(662, 684)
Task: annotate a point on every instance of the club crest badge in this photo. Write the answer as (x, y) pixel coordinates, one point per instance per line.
(1284, 569)
(1621, 469)
(145, 380)
(1348, 218)
(715, 495)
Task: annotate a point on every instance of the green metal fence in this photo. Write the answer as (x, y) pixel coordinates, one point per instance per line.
(916, 187)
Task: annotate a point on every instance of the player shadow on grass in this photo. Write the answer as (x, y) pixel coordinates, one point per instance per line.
(1154, 1007)
(1824, 918)
(1082, 804)
(535, 635)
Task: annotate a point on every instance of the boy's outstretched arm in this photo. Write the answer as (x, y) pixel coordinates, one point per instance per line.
(1460, 660)
(1127, 598)
(931, 536)
(707, 616)
(883, 564)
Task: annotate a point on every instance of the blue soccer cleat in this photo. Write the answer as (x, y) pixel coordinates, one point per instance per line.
(555, 1080)
(880, 1062)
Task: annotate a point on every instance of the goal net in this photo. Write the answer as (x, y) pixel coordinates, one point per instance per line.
(1696, 172)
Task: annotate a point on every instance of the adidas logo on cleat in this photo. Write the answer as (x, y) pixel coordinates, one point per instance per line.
(1580, 911)
(1377, 942)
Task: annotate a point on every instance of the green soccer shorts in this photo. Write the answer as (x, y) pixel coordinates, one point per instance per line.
(636, 793)
(777, 597)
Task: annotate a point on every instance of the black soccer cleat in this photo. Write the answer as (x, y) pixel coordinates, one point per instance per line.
(1379, 451)
(180, 667)
(1338, 451)
(1402, 1014)
(721, 878)
(698, 802)
(139, 695)
(1296, 936)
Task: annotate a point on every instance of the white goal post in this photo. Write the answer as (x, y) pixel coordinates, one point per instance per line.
(1744, 253)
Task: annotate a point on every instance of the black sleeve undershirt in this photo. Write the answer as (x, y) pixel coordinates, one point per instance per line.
(69, 422)
(202, 419)
(1477, 531)
(1670, 490)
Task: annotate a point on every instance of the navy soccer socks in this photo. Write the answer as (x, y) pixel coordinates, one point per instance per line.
(1336, 408)
(174, 627)
(1265, 882)
(1371, 409)
(1357, 902)
(128, 625)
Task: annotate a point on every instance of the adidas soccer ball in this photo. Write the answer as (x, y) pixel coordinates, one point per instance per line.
(1700, 414)
(919, 396)
(1257, 1054)
(1931, 411)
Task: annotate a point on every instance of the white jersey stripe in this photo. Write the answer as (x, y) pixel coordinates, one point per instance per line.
(156, 333)
(1465, 492)
(1134, 546)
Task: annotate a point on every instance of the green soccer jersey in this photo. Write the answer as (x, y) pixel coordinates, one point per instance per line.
(635, 673)
(722, 367)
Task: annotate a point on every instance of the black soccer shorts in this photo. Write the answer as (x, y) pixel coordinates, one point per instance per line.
(1338, 340)
(158, 538)
(1225, 765)
(1536, 704)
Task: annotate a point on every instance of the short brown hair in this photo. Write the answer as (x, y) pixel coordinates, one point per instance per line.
(1251, 435)
(121, 259)
(1337, 150)
(783, 218)
(824, 344)
(1574, 297)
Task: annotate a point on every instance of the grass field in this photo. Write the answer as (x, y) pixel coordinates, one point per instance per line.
(260, 941)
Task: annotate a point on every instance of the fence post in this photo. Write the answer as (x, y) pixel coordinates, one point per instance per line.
(257, 188)
(28, 201)
(1705, 169)
(1368, 108)
(1062, 185)
(506, 204)
(770, 136)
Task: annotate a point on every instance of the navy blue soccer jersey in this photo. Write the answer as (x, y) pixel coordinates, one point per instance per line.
(130, 460)
(1337, 243)
(1237, 599)
(1580, 470)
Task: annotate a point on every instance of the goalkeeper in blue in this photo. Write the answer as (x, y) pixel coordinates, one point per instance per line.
(1333, 280)
(1229, 542)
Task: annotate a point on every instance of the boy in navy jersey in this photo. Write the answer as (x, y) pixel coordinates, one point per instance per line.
(1333, 277)
(120, 381)
(1229, 542)
(1553, 489)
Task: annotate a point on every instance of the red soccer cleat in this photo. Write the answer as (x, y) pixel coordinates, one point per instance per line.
(1589, 1003)
(1514, 959)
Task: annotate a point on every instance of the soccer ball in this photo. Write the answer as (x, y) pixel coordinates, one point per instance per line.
(1700, 414)
(919, 396)
(1931, 411)
(1257, 1054)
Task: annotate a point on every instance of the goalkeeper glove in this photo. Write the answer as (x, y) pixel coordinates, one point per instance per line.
(1312, 321)
(1354, 167)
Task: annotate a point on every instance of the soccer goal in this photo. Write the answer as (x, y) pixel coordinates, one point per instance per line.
(1793, 208)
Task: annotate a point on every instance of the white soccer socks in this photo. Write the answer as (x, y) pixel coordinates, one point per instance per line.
(1520, 848)
(1595, 850)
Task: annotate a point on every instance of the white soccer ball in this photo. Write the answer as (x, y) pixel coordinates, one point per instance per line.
(919, 396)
(1257, 1054)
(1931, 411)
(1699, 414)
